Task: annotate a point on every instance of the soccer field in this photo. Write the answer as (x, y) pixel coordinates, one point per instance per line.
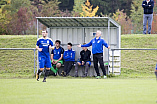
(78, 91)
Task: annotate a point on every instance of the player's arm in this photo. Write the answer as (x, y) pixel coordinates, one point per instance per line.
(52, 57)
(51, 45)
(52, 54)
(73, 55)
(66, 56)
(37, 46)
(60, 58)
(86, 45)
(105, 44)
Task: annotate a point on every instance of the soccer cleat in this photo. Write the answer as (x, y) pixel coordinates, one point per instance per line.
(37, 77)
(105, 77)
(98, 77)
(44, 80)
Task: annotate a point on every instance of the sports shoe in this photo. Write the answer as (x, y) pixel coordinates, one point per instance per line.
(98, 77)
(105, 77)
(44, 80)
(37, 77)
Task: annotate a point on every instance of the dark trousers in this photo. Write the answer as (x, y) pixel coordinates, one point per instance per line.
(99, 58)
(68, 66)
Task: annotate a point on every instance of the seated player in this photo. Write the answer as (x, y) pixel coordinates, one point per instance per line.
(57, 56)
(69, 58)
(156, 71)
(85, 60)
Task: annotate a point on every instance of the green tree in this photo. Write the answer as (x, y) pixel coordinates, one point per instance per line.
(17, 4)
(107, 7)
(77, 6)
(51, 9)
(137, 15)
(4, 16)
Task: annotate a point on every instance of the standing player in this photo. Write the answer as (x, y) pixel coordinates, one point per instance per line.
(97, 50)
(156, 71)
(85, 60)
(57, 56)
(43, 45)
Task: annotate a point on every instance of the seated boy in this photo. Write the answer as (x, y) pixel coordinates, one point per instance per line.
(69, 58)
(85, 60)
(57, 56)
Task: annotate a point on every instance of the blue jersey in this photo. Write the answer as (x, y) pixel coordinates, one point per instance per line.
(44, 44)
(97, 45)
(57, 53)
(69, 55)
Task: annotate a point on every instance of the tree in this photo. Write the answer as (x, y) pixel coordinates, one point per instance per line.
(51, 9)
(108, 7)
(20, 22)
(88, 11)
(137, 15)
(77, 5)
(124, 21)
(17, 4)
(4, 16)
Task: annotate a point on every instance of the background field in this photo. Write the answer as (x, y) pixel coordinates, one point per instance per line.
(20, 64)
(78, 91)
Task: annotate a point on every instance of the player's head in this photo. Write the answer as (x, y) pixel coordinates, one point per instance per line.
(57, 43)
(44, 33)
(84, 48)
(69, 46)
(98, 33)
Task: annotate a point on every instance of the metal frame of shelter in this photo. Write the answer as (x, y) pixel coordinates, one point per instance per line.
(82, 22)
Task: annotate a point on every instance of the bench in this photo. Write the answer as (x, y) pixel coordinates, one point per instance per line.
(81, 70)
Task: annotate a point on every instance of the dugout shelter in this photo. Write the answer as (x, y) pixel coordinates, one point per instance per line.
(79, 30)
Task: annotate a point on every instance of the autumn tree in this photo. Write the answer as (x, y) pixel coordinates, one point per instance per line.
(88, 10)
(137, 15)
(124, 21)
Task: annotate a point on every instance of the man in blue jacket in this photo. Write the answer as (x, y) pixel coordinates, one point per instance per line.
(97, 50)
(148, 15)
(69, 58)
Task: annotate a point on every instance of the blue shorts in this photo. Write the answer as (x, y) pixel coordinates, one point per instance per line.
(44, 61)
(85, 63)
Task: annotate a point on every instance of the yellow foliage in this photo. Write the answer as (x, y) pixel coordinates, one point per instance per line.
(8, 1)
(88, 11)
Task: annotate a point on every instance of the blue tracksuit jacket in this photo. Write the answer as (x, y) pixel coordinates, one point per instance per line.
(97, 45)
(69, 55)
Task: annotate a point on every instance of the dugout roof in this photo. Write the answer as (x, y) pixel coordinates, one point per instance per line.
(77, 22)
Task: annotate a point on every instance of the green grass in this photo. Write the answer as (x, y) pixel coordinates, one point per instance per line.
(138, 63)
(134, 64)
(78, 91)
(15, 63)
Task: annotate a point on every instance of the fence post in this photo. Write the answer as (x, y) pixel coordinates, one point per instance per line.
(34, 61)
(112, 61)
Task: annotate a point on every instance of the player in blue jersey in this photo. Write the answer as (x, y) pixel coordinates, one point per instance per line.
(57, 56)
(43, 45)
(156, 71)
(97, 50)
(69, 58)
